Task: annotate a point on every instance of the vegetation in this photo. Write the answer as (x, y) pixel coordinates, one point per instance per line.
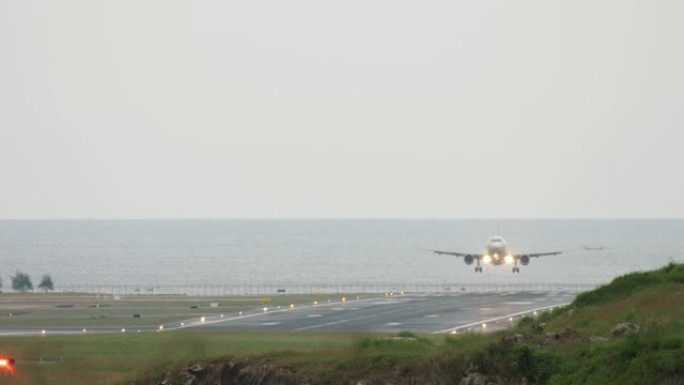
(558, 348)
(21, 282)
(46, 283)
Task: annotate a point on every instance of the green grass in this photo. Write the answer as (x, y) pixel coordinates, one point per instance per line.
(111, 359)
(654, 300)
(90, 310)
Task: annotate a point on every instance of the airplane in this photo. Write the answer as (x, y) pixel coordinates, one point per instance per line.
(496, 253)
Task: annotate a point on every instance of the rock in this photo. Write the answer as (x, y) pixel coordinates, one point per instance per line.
(539, 327)
(474, 379)
(623, 329)
(196, 369)
(512, 339)
(596, 339)
(568, 335)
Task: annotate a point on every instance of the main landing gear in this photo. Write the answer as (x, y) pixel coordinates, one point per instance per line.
(516, 270)
(478, 269)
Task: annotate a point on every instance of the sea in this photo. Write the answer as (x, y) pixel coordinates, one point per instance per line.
(243, 256)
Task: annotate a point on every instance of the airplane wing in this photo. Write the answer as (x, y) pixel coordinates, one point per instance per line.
(535, 255)
(456, 254)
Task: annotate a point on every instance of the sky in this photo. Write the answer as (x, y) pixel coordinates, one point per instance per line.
(341, 109)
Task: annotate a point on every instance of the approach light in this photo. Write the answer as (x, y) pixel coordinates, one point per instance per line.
(265, 309)
(123, 330)
(84, 330)
(484, 326)
(487, 259)
(291, 306)
(161, 327)
(454, 332)
(508, 259)
(7, 365)
(344, 299)
(202, 319)
(43, 331)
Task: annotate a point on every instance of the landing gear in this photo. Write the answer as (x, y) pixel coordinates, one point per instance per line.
(516, 270)
(478, 269)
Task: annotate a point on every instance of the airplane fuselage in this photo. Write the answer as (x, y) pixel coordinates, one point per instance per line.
(497, 252)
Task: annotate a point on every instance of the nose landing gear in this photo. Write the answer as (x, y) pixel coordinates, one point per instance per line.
(516, 270)
(478, 269)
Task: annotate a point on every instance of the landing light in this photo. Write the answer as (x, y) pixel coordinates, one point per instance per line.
(508, 259)
(487, 259)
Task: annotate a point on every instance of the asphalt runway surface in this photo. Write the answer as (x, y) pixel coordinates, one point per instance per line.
(420, 313)
(417, 312)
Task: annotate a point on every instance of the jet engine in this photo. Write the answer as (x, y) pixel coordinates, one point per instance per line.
(524, 260)
(468, 259)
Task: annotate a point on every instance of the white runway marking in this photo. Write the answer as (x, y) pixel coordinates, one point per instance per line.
(393, 323)
(270, 323)
(432, 316)
(314, 315)
(324, 325)
(518, 303)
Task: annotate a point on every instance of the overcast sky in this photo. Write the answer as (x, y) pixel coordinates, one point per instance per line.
(341, 109)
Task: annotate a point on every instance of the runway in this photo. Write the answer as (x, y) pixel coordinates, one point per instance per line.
(420, 313)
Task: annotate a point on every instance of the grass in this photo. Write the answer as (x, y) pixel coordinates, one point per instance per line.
(97, 310)
(655, 355)
(116, 358)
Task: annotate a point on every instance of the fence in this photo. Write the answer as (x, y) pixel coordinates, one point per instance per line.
(327, 288)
